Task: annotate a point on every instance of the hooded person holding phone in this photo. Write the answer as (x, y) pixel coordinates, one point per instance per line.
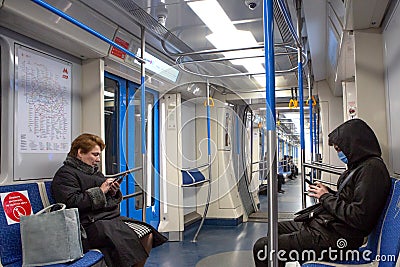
(348, 215)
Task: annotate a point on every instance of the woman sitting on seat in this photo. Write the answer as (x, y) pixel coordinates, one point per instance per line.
(79, 184)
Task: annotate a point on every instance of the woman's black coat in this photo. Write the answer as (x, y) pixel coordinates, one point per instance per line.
(78, 186)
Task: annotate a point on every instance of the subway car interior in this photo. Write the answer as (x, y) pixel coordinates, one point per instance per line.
(214, 112)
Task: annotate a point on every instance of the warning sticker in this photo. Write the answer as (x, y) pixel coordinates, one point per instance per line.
(16, 204)
(118, 53)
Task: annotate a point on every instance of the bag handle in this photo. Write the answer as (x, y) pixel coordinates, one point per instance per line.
(54, 207)
(347, 179)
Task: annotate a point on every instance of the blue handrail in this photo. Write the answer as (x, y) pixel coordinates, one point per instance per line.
(268, 22)
(316, 149)
(301, 101)
(269, 65)
(208, 128)
(143, 113)
(289, 22)
(86, 28)
(311, 127)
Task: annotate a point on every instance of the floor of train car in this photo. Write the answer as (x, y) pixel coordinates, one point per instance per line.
(224, 246)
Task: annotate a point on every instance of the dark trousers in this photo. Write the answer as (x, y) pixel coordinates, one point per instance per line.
(293, 240)
(280, 181)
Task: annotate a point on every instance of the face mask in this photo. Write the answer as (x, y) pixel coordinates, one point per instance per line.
(342, 157)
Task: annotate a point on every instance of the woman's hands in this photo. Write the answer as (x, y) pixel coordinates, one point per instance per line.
(317, 190)
(111, 185)
(115, 186)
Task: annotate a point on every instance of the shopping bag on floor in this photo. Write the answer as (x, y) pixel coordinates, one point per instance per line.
(51, 236)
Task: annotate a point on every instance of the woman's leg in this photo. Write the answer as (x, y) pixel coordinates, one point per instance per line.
(147, 242)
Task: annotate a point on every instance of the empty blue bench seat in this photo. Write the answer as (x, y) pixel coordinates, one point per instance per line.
(192, 177)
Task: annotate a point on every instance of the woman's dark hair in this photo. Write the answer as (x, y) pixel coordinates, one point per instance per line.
(86, 142)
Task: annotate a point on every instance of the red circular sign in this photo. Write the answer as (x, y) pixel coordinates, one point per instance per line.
(16, 204)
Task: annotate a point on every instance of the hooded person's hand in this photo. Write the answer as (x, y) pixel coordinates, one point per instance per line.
(317, 190)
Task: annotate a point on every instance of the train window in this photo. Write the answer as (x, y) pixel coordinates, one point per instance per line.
(111, 126)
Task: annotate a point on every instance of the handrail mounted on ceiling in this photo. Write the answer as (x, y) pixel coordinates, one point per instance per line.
(86, 28)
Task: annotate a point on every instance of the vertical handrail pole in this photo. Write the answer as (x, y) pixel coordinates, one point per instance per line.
(316, 157)
(301, 101)
(278, 150)
(143, 122)
(318, 127)
(268, 22)
(208, 131)
(238, 144)
(263, 164)
(287, 148)
(310, 102)
(262, 144)
(209, 164)
(251, 148)
(315, 134)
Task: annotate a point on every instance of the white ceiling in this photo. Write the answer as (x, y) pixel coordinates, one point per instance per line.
(189, 28)
(325, 47)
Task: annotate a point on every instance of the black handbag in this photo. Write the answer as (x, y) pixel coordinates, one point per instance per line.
(308, 213)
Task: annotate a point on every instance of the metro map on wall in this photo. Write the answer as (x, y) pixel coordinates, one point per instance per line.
(43, 106)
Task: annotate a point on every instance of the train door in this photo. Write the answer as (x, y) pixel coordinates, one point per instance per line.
(123, 139)
(246, 161)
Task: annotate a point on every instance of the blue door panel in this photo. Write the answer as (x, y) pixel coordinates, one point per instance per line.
(126, 136)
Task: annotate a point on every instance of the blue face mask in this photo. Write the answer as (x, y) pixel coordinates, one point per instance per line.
(342, 157)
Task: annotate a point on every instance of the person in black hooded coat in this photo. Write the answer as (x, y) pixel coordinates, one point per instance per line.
(79, 184)
(346, 218)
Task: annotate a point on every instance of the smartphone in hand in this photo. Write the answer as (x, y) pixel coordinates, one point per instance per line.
(119, 179)
(308, 182)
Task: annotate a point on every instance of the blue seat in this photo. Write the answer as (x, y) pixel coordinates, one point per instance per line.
(282, 172)
(10, 240)
(192, 177)
(383, 243)
(280, 169)
(48, 192)
(89, 259)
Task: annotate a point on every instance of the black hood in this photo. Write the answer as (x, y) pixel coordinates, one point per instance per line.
(356, 139)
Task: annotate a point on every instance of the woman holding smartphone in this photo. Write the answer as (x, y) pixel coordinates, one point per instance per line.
(79, 184)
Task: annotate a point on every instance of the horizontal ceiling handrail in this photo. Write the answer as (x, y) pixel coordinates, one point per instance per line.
(218, 51)
(289, 22)
(86, 28)
(181, 64)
